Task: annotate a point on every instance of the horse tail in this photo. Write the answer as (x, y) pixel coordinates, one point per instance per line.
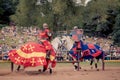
(101, 56)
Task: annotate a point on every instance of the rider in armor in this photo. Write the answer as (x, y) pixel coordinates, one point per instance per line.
(76, 35)
(44, 38)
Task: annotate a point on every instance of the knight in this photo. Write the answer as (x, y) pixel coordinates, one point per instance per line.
(44, 39)
(76, 35)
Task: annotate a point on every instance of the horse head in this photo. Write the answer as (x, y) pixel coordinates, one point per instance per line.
(68, 42)
(56, 43)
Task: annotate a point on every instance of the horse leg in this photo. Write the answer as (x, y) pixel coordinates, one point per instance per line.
(50, 67)
(96, 66)
(44, 68)
(75, 66)
(12, 66)
(103, 63)
(47, 60)
(18, 68)
(91, 62)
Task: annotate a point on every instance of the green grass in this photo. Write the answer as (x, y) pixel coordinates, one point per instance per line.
(5, 65)
(111, 64)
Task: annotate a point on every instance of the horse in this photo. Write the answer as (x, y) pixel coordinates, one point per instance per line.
(89, 51)
(55, 44)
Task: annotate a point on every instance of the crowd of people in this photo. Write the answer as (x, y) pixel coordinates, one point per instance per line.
(12, 37)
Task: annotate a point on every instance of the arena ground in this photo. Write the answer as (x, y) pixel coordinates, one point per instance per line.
(63, 71)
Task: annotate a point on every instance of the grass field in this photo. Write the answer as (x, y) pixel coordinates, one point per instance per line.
(83, 64)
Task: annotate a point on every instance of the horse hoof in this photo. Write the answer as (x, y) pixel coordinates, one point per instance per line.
(50, 71)
(39, 70)
(44, 70)
(80, 68)
(97, 69)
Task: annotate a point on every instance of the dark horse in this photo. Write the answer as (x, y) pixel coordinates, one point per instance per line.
(89, 51)
(50, 61)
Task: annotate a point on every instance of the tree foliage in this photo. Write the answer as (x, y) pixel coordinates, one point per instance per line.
(7, 8)
(25, 13)
(96, 15)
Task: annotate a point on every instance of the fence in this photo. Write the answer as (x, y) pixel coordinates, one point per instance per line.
(4, 56)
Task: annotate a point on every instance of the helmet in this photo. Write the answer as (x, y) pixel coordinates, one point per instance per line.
(75, 27)
(45, 25)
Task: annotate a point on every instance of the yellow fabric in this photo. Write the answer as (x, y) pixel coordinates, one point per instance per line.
(52, 57)
(34, 54)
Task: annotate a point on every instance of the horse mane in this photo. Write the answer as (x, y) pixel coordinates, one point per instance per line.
(55, 42)
(69, 42)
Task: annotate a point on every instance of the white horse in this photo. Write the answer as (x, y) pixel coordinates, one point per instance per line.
(69, 46)
(56, 42)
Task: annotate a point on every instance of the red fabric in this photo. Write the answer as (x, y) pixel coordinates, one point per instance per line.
(47, 31)
(24, 56)
(91, 46)
(53, 64)
(79, 45)
(86, 53)
(75, 37)
(44, 34)
(47, 44)
(97, 53)
(32, 47)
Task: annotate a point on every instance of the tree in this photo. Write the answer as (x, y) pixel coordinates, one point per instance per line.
(116, 38)
(7, 8)
(25, 14)
(96, 16)
(58, 14)
(116, 30)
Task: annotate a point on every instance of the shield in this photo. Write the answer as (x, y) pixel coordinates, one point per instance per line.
(29, 55)
(77, 34)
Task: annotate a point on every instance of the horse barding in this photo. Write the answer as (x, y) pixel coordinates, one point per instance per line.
(88, 51)
(34, 54)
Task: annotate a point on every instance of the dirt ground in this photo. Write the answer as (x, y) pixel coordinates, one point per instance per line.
(62, 73)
